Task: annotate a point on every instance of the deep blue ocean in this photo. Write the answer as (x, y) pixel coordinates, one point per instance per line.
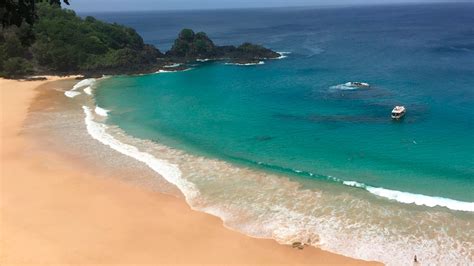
(294, 118)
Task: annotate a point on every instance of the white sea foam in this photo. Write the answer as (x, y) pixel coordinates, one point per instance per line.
(101, 111)
(412, 198)
(282, 55)
(172, 71)
(84, 83)
(88, 90)
(165, 71)
(172, 65)
(203, 60)
(71, 93)
(345, 86)
(168, 171)
(246, 64)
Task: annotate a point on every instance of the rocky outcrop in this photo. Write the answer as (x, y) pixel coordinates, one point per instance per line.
(191, 46)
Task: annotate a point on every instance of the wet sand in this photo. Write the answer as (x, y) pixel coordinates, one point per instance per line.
(53, 211)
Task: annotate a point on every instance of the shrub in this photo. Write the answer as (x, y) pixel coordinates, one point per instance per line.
(16, 67)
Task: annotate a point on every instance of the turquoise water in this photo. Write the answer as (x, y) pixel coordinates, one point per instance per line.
(293, 118)
(269, 114)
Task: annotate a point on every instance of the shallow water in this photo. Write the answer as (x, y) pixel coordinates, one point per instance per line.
(284, 150)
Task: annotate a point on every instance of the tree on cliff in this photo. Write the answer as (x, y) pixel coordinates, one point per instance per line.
(192, 45)
(61, 42)
(15, 12)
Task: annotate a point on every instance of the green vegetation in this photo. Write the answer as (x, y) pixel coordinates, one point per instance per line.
(17, 67)
(194, 46)
(253, 51)
(61, 42)
(191, 46)
(15, 12)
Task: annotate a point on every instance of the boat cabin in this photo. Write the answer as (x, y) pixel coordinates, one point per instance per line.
(398, 112)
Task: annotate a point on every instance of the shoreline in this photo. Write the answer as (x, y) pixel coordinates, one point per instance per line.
(53, 211)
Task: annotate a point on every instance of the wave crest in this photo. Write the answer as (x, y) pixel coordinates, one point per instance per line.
(84, 83)
(101, 111)
(412, 198)
(71, 94)
(246, 64)
(168, 171)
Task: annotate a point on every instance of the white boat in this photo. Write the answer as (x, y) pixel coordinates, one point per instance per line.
(398, 112)
(357, 84)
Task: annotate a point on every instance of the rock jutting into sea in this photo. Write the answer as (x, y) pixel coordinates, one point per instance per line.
(190, 46)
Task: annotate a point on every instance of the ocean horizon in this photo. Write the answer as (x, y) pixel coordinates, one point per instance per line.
(287, 149)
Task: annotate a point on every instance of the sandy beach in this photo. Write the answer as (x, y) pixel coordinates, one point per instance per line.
(54, 212)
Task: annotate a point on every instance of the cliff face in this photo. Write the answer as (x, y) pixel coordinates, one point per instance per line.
(191, 46)
(249, 53)
(61, 42)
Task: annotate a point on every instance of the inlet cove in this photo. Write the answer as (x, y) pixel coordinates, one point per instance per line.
(287, 149)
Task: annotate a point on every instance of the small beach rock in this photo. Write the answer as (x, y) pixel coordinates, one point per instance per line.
(297, 244)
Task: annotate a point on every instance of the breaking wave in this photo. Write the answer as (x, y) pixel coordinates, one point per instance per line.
(412, 198)
(83, 83)
(169, 171)
(399, 196)
(172, 65)
(282, 55)
(172, 71)
(88, 90)
(246, 64)
(101, 111)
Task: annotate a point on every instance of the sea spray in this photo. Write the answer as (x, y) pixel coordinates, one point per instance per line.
(84, 83)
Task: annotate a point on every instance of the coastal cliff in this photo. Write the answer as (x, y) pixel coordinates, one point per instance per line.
(62, 43)
(192, 46)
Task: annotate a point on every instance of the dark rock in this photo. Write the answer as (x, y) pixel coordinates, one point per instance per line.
(191, 46)
(35, 78)
(296, 244)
